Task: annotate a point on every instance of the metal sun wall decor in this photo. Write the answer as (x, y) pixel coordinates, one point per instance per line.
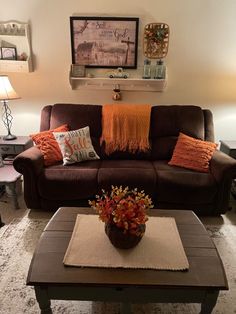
(156, 40)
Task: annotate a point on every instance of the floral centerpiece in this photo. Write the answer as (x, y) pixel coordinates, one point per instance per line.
(124, 211)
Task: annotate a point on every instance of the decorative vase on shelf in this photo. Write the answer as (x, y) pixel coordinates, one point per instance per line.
(123, 240)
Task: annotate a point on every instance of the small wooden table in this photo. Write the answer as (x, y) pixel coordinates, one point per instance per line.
(229, 148)
(200, 284)
(9, 177)
(15, 147)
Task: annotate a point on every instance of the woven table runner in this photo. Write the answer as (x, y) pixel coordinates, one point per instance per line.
(160, 247)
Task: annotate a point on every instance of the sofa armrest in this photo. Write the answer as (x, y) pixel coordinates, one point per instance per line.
(223, 169)
(30, 163)
(29, 160)
(222, 166)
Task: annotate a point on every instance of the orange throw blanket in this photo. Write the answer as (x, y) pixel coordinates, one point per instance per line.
(125, 127)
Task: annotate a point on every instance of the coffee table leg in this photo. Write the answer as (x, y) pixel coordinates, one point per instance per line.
(209, 302)
(1, 222)
(43, 300)
(125, 308)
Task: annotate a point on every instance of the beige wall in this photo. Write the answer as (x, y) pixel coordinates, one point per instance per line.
(201, 60)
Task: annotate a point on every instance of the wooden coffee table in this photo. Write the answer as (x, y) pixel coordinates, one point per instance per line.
(200, 284)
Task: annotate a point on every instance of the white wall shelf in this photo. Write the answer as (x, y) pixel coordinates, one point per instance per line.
(16, 34)
(129, 84)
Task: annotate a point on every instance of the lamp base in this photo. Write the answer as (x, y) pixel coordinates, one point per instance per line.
(9, 137)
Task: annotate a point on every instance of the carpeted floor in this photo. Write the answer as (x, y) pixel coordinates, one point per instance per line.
(18, 239)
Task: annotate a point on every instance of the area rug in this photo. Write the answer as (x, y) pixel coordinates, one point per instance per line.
(17, 243)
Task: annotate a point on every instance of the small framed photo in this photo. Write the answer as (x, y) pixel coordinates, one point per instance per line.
(78, 70)
(1, 161)
(0, 53)
(8, 53)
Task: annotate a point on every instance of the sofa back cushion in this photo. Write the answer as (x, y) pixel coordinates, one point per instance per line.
(168, 121)
(76, 117)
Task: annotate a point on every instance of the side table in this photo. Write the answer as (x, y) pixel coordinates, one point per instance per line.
(16, 146)
(8, 175)
(229, 148)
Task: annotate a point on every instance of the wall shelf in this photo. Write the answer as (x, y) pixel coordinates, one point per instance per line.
(15, 66)
(16, 34)
(129, 84)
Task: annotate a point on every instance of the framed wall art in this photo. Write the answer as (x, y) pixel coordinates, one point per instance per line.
(9, 53)
(78, 70)
(104, 42)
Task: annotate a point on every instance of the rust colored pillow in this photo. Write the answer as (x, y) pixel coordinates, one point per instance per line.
(47, 144)
(192, 153)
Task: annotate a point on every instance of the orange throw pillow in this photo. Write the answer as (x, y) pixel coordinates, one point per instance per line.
(47, 144)
(192, 153)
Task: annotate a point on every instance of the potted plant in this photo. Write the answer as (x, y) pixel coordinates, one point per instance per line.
(124, 212)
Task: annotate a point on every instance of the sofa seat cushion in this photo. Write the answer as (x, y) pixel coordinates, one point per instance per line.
(132, 173)
(78, 181)
(175, 184)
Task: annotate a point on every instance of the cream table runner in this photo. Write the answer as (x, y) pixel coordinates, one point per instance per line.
(160, 247)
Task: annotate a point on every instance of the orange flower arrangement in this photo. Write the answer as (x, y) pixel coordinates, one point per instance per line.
(125, 208)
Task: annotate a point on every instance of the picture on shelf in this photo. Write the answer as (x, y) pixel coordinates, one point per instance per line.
(1, 162)
(104, 42)
(9, 53)
(78, 70)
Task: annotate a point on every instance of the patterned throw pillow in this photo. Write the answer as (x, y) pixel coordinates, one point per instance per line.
(76, 146)
(48, 146)
(192, 153)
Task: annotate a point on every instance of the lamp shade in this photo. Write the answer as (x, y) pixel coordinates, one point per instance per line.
(6, 90)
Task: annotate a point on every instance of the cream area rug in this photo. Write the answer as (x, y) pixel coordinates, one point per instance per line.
(18, 241)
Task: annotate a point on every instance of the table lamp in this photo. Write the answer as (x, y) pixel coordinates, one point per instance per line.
(7, 93)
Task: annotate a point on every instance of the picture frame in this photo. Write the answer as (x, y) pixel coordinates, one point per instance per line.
(0, 53)
(1, 161)
(78, 70)
(104, 42)
(8, 53)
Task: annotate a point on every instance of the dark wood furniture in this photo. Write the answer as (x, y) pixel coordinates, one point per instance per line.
(200, 284)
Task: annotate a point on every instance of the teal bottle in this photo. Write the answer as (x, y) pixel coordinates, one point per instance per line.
(147, 69)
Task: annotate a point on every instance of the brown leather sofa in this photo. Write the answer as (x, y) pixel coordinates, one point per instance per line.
(170, 187)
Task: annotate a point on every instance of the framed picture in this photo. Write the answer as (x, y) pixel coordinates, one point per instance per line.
(1, 162)
(104, 42)
(0, 53)
(78, 70)
(9, 53)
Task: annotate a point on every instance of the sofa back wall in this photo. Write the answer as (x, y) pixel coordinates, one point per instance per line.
(201, 58)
